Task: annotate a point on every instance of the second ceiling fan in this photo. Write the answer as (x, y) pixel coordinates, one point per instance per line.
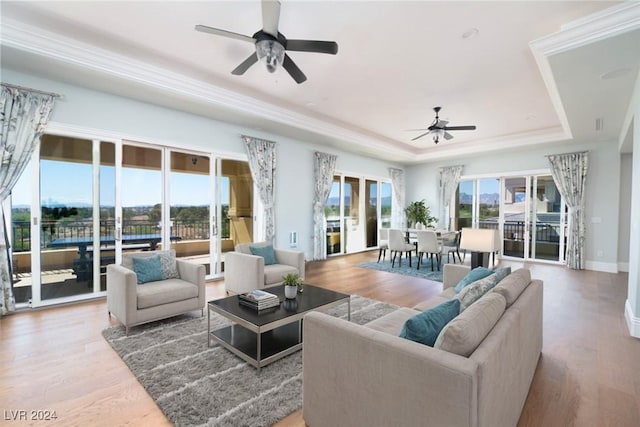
(271, 44)
(439, 128)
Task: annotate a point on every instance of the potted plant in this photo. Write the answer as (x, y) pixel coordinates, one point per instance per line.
(418, 213)
(292, 282)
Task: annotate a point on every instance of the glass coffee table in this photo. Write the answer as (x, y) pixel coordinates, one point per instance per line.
(262, 337)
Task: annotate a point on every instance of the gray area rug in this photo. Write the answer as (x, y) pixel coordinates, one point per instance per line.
(199, 386)
(424, 272)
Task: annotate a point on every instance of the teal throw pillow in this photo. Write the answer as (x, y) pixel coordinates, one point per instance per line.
(265, 252)
(426, 326)
(475, 274)
(147, 269)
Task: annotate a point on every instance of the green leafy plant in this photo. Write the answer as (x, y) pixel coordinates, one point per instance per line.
(419, 212)
(293, 279)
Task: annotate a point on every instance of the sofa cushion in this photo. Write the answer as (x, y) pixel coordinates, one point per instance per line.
(265, 252)
(465, 333)
(512, 286)
(147, 269)
(431, 302)
(165, 292)
(475, 274)
(448, 293)
(424, 327)
(273, 273)
(393, 322)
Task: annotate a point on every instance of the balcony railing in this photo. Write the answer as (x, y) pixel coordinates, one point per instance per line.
(83, 229)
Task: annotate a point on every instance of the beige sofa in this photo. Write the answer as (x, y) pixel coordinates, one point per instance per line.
(245, 272)
(369, 376)
(135, 304)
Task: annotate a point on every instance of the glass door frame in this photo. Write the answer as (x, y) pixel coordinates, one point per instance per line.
(62, 130)
(531, 177)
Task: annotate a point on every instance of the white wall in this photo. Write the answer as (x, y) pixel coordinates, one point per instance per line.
(602, 189)
(625, 211)
(114, 115)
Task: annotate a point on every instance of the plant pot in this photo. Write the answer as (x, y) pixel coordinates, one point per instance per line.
(290, 292)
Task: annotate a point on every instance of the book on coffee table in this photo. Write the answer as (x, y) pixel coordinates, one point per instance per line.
(260, 306)
(257, 296)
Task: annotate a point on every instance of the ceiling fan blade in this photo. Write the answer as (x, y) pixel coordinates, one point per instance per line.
(472, 127)
(415, 130)
(293, 69)
(270, 17)
(240, 69)
(442, 123)
(219, 32)
(420, 136)
(447, 136)
(312, 46)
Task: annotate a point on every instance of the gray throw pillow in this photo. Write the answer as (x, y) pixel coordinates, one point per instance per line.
(168, 264)
(472, 292)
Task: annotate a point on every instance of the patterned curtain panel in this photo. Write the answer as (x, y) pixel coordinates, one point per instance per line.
(324, 167)
(262, 163)
(569, 173)
(397, 210)
(23, 117)
(449, 178)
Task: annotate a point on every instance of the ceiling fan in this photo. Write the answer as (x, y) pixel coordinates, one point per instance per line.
(272, 44)
(439, 128)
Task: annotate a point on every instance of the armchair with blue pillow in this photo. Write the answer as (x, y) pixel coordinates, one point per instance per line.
(154, 285)
(259, 265)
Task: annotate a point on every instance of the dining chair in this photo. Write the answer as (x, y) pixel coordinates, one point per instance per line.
(452, 246)
(397, 243)
(383, 244)
(428, 244)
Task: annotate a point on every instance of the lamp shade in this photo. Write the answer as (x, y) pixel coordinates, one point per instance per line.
(480, 240)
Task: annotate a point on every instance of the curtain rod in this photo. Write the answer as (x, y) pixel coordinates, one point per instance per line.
(565, 154)
(32, 90)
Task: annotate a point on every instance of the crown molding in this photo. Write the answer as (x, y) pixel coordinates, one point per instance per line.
(610, 22)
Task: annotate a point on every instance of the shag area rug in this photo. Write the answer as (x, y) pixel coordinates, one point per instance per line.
(195, 385)
(424, 272)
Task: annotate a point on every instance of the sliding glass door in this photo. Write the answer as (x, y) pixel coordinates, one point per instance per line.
(353, 221)
(527, 209)
(82, 203)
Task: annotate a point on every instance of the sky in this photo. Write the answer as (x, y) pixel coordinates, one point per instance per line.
(70, 183)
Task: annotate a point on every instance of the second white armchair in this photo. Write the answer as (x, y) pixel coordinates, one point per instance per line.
(259, 265)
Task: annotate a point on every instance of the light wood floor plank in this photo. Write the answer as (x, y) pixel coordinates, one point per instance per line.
(56, 358)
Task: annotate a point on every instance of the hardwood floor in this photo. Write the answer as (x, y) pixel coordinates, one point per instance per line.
(56, 359)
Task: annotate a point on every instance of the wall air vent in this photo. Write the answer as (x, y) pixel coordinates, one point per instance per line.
(599, 124)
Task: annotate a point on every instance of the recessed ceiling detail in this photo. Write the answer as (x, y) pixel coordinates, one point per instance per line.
(366, 99)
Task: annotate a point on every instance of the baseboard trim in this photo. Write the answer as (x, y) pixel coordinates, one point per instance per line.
(633, 322)
(606, 267)
(623, 266)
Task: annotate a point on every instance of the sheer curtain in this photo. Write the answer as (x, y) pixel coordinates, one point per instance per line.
(262, 163)
(324, 167)
(569, 173)
(397, 212)
(24, 114)
(449, 178)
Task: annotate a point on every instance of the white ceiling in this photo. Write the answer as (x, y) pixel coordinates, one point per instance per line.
(523, 80)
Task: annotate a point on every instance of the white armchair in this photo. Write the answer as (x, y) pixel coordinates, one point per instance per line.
(134, 304)
(244, 271)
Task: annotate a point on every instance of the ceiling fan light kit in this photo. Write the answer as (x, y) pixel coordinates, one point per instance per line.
(439, 128)
(271, 53)
(271, 45)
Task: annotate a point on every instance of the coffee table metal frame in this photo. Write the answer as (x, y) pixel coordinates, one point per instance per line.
(229, 336)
